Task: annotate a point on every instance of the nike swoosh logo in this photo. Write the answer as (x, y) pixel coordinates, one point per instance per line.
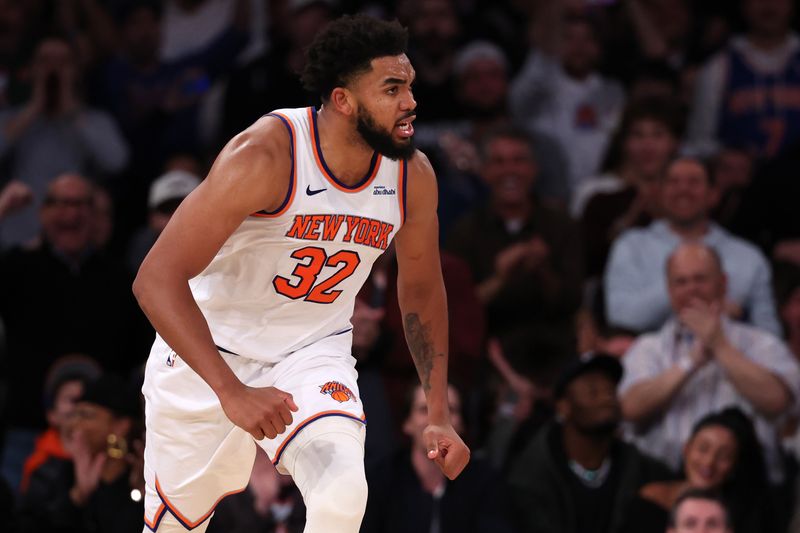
(313, 192)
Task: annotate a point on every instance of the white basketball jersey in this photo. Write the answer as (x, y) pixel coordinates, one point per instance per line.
(287, 279)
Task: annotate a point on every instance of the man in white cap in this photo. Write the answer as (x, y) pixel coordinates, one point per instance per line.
(166, 194)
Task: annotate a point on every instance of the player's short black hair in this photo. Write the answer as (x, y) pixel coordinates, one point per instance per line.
(346, 48)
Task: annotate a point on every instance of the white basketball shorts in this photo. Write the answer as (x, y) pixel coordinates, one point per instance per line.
(195, 456)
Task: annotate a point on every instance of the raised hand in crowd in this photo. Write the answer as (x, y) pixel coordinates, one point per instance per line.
(461, 153)
(526, 255)
(13, 196)
(704, 320)
(646, 202)
(524, 391)
(88, 467)
(54, 77)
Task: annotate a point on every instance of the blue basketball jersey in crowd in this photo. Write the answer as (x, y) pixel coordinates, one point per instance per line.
(760, 111)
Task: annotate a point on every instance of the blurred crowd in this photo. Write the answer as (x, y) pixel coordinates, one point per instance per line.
(620, 247)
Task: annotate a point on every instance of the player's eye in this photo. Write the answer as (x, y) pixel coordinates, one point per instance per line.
(392, 90)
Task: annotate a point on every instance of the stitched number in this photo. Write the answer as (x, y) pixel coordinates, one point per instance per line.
(308, 272)
(322, 293)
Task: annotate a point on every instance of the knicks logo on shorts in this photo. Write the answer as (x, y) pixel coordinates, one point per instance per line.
(339, 392)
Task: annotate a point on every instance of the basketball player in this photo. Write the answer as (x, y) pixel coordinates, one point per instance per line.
(252, 284)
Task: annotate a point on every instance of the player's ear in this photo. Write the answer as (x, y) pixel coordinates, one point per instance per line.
(343, 101)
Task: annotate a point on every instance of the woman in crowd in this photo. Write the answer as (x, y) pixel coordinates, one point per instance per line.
(626, 195)
(722, 454)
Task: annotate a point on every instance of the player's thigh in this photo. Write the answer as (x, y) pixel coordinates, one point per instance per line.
(322, 386)
(194, 455)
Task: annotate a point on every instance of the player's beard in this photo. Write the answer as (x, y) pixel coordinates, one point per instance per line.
(381, 140)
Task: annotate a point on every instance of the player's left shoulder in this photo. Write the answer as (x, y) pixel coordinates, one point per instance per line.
(421, 177)
(420, 165)
(422, 193)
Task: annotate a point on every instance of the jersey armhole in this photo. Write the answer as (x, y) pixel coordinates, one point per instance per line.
(287, 201)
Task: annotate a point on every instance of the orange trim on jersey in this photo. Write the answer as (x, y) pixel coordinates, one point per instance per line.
(185, 522)
(156, 517)
(321, 165)
(402, 174)
(292, 177)
(306, 422)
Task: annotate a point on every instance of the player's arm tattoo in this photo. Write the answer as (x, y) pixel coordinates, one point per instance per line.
(418, 336)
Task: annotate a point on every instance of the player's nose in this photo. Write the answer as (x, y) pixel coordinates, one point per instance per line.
(408, 103)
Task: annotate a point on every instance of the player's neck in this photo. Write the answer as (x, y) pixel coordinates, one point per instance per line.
(345, 153)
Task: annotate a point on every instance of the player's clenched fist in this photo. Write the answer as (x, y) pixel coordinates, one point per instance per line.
(447, 449)
(262, 412)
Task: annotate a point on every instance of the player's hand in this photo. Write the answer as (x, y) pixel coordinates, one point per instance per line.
(14, 196)
(446, 448)
(262, 412)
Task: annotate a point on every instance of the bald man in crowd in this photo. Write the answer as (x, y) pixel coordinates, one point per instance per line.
(702, 361)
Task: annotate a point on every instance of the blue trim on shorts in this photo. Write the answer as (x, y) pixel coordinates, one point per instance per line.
(346, 330)
(301, 427)
(180, 521)
(159, 516)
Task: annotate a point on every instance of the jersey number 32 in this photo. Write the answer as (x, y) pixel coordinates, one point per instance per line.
(311, 261)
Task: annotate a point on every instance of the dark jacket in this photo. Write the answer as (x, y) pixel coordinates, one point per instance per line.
(533, 313)
(47, 508)
(51, 308)
(540, 490)
(475, 502)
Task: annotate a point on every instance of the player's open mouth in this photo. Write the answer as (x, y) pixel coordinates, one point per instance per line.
(404, 128)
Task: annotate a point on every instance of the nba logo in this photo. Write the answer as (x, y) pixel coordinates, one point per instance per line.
(171, 359)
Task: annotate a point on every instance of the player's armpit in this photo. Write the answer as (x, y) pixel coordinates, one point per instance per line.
(251, 173)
